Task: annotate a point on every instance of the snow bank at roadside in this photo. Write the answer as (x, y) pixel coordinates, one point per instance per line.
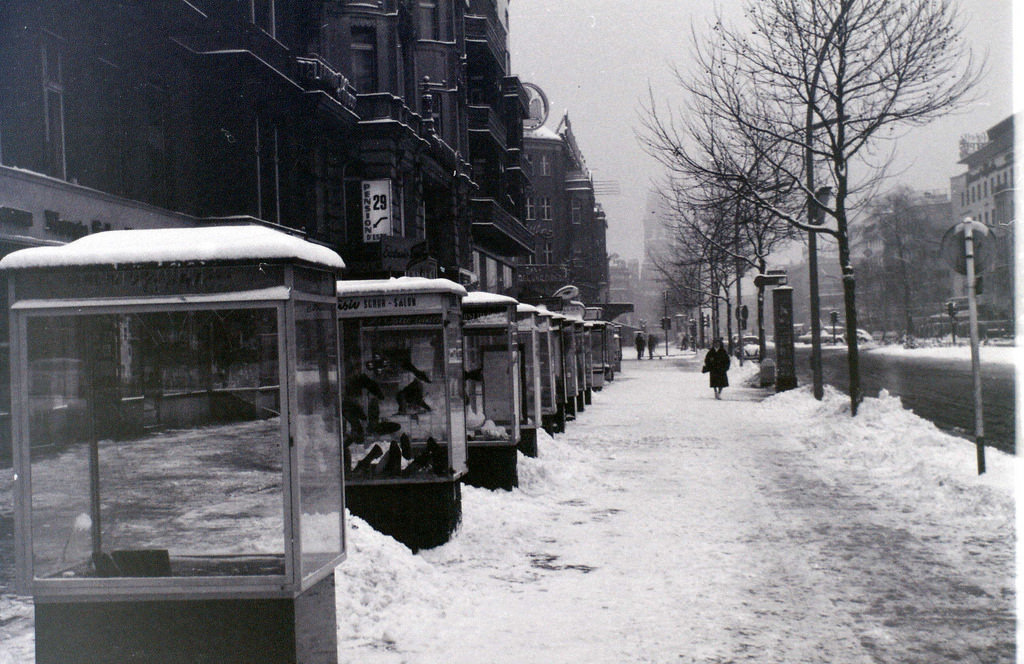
(926, 463)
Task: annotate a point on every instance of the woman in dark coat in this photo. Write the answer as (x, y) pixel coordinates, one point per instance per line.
(716, 363)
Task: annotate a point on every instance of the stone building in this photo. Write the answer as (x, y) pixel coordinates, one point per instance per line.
(568, 225)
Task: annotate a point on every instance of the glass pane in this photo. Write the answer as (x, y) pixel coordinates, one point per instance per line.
(395, 405)
(489, 386)
(155, 444)
(317, 435)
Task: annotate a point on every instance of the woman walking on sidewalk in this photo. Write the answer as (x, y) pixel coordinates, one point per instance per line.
(716, 363)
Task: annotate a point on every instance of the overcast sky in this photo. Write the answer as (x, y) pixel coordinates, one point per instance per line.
(596, 58)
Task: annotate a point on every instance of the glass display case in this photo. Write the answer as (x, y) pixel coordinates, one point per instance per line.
(176, 417)
(615, 346)
(555, 395)
(599, 363)
(492, 373)
(570, 365)
(589, 359)
(580, 347)
(403, 405)
(529, 336)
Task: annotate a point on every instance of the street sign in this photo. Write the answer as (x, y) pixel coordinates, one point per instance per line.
(952, 247)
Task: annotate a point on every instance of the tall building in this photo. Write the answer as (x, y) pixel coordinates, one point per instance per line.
(388, 130)
(657, 228)
(568, 225)
(985, 193)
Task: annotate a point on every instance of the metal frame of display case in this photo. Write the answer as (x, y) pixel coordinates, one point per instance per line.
(598, 352)
(493, 457)
(410, 491)
(171, 600)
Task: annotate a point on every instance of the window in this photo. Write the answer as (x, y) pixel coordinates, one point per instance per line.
(364, 59)
(531, 210)
(53, 109)
(576, 212)
(262, 12)
(545, 165)
(548, 253)
(545, 208)
(428, 19)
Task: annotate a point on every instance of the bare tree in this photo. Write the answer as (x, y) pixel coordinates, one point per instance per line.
(813, 86)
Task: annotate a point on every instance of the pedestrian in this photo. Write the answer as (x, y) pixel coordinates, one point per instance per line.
(716, 363)
(639, 342)
(652, 341)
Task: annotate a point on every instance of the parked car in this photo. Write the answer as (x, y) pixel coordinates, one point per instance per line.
(751, 347)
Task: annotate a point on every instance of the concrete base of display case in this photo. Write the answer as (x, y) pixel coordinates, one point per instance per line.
(493, 467)
(420, 515)
(229, 631)
(588, 395)
(528, 441)
(581, 402)
(554, 423)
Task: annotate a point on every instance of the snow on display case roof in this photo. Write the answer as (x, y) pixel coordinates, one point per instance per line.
(523, 308)
(482, 298)
(397, 285)
(175, 245)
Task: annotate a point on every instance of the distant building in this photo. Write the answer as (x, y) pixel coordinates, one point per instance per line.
(568, 225)
(985, 193)
(624, 284)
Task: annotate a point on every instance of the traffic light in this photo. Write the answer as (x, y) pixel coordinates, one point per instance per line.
(951, 309)
(834, 318)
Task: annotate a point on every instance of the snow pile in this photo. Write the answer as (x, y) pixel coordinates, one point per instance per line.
(925, 464)
(383, 589)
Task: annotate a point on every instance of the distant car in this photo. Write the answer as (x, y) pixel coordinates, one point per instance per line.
(751, 348)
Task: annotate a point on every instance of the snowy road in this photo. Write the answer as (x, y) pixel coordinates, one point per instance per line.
(665, 526)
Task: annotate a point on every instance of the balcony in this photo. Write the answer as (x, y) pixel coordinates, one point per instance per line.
(495, 229)
(485, 34)
(315, 74)
(483, 120)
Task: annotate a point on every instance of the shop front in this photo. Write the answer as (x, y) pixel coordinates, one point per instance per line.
(403, 406)
(177, 443)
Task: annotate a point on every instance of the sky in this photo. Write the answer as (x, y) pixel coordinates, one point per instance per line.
(596, 59)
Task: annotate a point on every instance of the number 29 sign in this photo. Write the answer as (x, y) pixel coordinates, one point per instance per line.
(376, 209)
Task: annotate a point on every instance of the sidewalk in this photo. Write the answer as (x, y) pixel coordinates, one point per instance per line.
(665, 526)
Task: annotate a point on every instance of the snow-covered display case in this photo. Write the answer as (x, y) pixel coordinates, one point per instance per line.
(573, 390)
(599, 361)
(403, 405)
(529, 336)
(589, 360)
(491, 361)
(177, 434)
(615, 348)
(580, 347)
(555, 423)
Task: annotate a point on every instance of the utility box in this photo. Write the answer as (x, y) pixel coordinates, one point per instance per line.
(177, 443)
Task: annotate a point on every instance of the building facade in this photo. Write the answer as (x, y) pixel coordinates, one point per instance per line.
(387, 130)
(985, 193)
(568, 225)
